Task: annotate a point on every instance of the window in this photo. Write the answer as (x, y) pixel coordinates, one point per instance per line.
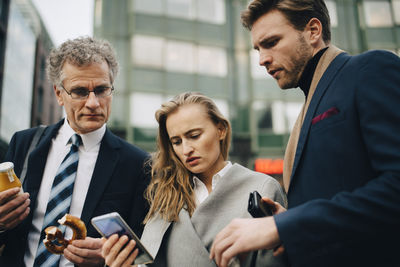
(331, 5)
(378, 14)
(212, 11)
(277, 116)
(257, 71)
(179, 56)
(396, 11)
(181, 9)
(212, 61)
(222, 106)
(142, 109)
(148, 7)
(147, 50)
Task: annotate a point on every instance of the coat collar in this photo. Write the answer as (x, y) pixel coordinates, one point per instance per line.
(328, 67)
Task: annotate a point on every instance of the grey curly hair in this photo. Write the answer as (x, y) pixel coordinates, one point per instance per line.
(81, 51)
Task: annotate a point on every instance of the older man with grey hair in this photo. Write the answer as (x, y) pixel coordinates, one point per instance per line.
(77, 167)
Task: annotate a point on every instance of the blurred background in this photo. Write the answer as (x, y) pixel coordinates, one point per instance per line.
(166, 47)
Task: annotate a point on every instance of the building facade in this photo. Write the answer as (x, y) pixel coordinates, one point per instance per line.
(26, 96)
(170, 46)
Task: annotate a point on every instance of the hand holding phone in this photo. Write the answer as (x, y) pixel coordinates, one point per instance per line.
(256, 207)
(112, 223)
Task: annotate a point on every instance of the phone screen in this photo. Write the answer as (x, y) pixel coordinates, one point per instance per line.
(112, 226)
(113, 223)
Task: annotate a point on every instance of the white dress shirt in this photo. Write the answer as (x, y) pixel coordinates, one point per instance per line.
(59, 148)
(200, 189)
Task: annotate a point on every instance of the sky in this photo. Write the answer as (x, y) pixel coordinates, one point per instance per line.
(66, 19)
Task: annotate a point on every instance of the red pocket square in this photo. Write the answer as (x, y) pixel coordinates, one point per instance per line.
(326, 114)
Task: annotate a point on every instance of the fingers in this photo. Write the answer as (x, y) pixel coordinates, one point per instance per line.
(8, 194)
(275, 206)
(85, 252)
(279, 250)
(110, 242)
(127, 255)
(14, 208)
(114, 254)
(221, 250)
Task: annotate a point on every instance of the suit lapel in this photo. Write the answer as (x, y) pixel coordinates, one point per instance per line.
(153, 234)
(333, 64)
(37, 160)
(106, 162)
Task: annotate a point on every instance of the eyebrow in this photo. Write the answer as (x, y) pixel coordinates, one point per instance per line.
(265, 40)
(186, 133)
(81, 86)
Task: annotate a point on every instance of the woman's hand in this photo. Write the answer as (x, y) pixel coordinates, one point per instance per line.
(116, 255)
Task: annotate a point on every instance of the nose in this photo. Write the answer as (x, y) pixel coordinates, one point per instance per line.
(265, 58)
(187, 148)
(92, 101)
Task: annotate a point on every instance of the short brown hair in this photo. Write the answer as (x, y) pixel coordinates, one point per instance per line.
(297, 12)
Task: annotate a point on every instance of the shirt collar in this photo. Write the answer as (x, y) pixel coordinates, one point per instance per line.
(216, 178)
(89, 140)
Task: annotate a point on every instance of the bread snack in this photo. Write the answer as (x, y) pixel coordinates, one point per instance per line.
(54, 235)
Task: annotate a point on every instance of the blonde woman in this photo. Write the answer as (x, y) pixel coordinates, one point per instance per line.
(194, 191)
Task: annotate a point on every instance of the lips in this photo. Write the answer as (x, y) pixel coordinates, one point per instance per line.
(192, 160)
(274, 73)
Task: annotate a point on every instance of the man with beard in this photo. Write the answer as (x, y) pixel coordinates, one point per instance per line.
(341, 169)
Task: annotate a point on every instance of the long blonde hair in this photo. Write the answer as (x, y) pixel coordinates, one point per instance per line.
(171, 187)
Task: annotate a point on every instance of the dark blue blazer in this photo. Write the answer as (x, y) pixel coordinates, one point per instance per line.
(117, 184)
(344, 195)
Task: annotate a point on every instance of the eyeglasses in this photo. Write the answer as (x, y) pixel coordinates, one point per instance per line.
(83, 93)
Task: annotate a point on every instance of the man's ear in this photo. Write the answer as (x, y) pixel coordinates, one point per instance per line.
(314, 28)
(58, 93)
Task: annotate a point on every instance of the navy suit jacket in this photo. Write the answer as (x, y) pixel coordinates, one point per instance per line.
(344, 195)
(117, 184)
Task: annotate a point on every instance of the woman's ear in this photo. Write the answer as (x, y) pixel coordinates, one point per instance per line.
(221, 131)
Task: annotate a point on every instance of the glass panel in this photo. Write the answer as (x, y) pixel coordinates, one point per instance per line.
(181, 9)
(396, 11)
(222, 106)
(179, 56)
(16, 100)
(148, 7)
(257, 71)
(378, 14)
(147, 50)
(331, 5)
(212, 11)
(212, 61)
(142, 109)
(284, 115)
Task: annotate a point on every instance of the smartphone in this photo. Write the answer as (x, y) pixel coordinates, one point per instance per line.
(112, 223)
(256, 207)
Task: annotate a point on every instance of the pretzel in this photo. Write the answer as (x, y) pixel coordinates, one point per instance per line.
(53, 234)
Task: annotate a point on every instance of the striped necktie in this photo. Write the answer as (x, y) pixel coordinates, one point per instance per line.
(59, 201)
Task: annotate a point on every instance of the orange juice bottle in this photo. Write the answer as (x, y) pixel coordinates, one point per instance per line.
(8, 179)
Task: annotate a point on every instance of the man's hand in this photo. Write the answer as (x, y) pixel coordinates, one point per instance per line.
(244, 235)
(85, 252)
(14, 208)
(276, 209)
(275, 206)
